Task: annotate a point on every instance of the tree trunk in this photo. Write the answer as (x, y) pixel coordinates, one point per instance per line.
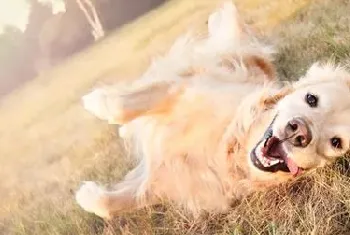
(91, 15)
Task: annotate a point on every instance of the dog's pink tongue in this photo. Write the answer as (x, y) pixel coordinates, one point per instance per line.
(274, 149)
(293, 168)
(279, 152)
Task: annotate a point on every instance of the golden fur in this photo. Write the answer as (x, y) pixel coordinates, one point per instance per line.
(196, 114)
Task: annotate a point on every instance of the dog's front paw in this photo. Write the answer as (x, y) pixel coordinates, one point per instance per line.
(91, 198)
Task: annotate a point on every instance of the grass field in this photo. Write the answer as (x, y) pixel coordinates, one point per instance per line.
(48, 143)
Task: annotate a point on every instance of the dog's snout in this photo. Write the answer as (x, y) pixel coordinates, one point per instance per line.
(298, 132)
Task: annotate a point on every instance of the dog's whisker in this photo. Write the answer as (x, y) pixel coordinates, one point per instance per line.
(287, 138)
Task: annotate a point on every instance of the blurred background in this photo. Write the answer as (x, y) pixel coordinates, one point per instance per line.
(36, 35)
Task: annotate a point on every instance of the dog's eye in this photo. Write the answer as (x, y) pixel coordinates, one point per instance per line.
(336, 142)
(311, 100)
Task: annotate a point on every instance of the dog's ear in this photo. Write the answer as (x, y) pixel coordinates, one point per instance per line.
(256, 65)
(259, 64)
(269, 100)
(120, 106)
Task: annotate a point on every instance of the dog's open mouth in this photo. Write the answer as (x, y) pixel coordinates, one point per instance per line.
(270, 155)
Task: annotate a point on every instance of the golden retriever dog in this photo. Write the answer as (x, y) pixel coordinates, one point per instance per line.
(209, 123)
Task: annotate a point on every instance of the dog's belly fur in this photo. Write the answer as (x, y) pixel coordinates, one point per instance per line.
(188, 153)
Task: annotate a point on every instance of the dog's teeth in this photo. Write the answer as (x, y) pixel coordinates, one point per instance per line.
(266, 161)
(274, 162)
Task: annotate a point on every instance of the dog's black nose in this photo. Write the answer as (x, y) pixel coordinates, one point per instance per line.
(298, 132)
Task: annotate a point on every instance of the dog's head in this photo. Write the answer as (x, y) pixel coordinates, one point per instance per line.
(310, 126)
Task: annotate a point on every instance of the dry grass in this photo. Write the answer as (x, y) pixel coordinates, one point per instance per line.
(48, 143)
(320, 32)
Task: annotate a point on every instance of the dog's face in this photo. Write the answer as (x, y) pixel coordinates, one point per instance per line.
(310, 126)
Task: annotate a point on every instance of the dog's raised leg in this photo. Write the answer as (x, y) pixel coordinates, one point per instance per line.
(224, 26)
(120, 107)
(127, 195)
(229, 36)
